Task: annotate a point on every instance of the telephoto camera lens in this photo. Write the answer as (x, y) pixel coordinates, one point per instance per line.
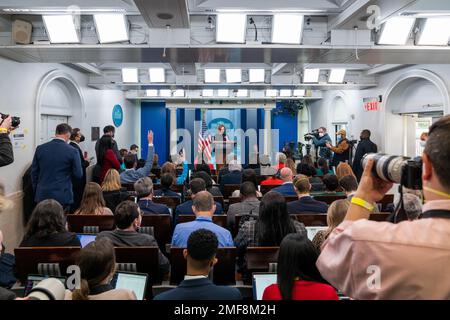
(386, 167)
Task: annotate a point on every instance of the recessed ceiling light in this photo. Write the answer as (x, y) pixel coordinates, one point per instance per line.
(165, 93)
(61, 28)
(111, 27)
(242, 93)
(396, 30)
(311, 75)
(435, 32)
(157, 75)
(212, 75)
(271, 93)
(287, 28)
(223, 93)
(336, 76)
(285, 93)
(231, 27)
(233, 75)
(299, 92)
(256, 75)
(130, 75)
(151, 92)
(207, 92)
(178, 93)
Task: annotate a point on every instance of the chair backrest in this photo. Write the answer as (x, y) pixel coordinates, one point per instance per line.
(77, 222)
(387, 199)
(176, 187)
(310, 219)
(171, 202)
(28, 259)
(128, 186)
(220, 220)
(259, 258)
(266, 188)
(382, 216)
(228, 189)
(145, 259)
(223, 271)
(161, 224)
(328, 199)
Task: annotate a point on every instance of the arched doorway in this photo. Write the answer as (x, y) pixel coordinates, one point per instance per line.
(304, 123)
(59, 99)
(415, 96)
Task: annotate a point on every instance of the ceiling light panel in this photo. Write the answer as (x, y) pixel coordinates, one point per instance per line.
(212, 75)
(207, 92)
(233, 75)
(256, 75)
(299, 93)
(130, 75)
(271, 93)
(179, 93)
(151, 93)
(165, 93)
(287, 28)
(336, 76)
(61, 28)
(241, 93)
(285, 93)
(396, 31)
(157, 75)
(311, 75)
(435, 32)
(231, 27)
(111, 27)
(223, 93)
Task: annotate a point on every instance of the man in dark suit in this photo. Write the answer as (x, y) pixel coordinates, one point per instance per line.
(144, 191)
(365, 146)
(287, 188)
(305, 202)
(78, 184)
(234, 176)
(195, 186)
(54, 165)
(107, 131)
(200, 255)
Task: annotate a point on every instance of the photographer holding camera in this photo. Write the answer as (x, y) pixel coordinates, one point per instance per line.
(409, 260)
(6, 150)
(320, 139)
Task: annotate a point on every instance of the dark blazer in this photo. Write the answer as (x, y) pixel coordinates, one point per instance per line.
(364, 146)
(61, 239)
(306, 204)
(200, 289)
(286, 189)
(234, 177)
(166, 193)
(149, 207)
(186, 208)
(55, 163)
(78, 184)
(114, 198)
(6, 150)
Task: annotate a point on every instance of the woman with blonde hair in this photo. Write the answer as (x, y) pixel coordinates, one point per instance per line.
(335, 215)
(343, 169)
(113, 193)
(291, 164)
(93, 201)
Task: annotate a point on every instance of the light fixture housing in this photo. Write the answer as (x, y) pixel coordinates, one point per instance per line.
(157, 75)
(151, 93)
(435, 32)
(271, 92)
(212, 75)
(111, 27)
(299, 92)
(165, 93)
(256, 75)
(396, 30)
(62, 28)
(130, 75)
(233, 75)
(207, 93)
(242, 93)
(223, 93)
(179, 93)
(285, 93)
(231, 27)
(311, 75)
(287, 28)
(336, 75)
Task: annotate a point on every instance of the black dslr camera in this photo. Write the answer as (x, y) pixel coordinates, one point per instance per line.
(15, 121)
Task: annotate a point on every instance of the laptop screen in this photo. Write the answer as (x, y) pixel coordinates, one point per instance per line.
(33, 280)
(313, 230)
(85, 239)
(260, 282)
(135, 282)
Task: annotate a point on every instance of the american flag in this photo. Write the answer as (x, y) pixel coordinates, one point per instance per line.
(204, 143)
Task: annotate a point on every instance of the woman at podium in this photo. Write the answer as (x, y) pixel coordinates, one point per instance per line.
(220, 139)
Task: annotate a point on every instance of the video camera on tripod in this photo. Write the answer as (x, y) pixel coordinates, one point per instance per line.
(310, 135)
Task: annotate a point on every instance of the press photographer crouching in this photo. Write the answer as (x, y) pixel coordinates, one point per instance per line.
(7, 124)
(408, 260)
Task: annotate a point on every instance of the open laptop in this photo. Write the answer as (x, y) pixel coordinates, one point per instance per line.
(136, 282)
(261, 280)
(313, 230)
(86, 238)
(34, 279)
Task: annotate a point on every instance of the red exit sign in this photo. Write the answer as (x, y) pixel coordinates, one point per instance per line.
(371, 104)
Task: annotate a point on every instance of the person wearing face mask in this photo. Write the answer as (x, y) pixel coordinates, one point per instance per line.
(423, 139)
(365, 146)
(54, 165)
(78, 184)
(108, 133)
(341, 150)
(321, 142)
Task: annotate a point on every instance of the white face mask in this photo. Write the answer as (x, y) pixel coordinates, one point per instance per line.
(321, 134)
(423, 143)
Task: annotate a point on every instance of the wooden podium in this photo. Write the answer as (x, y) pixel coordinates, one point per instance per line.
(222, 150)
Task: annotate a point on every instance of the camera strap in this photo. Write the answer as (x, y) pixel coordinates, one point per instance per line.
(445, 214)
(437, 192)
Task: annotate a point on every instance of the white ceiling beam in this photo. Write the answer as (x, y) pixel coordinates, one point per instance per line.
(278, 67)
(384, 68)
(347, 14)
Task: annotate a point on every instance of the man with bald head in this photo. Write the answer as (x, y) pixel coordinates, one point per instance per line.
(203, 206)
(287, 188)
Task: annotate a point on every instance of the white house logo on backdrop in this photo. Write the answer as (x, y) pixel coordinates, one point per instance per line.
(117, 115)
